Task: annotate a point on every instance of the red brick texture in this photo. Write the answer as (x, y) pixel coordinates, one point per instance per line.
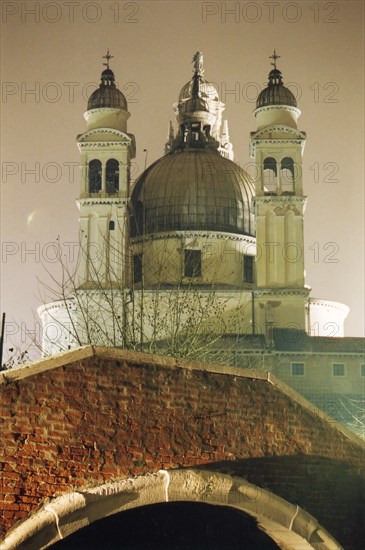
(103, 418)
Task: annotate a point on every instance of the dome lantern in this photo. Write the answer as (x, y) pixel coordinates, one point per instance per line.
(276, 104)
(107, 106)
(276, 93)
(199, 114)
(107, 95)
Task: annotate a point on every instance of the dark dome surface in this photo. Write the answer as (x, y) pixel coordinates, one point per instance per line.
(107, 95)
(193, 190)
(276, 93)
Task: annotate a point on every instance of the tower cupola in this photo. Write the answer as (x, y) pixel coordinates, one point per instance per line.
(276, 104)
(107, 106)
(276, 93)
(107, 95)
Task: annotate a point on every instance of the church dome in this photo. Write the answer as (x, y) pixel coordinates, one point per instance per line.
(193, 190)
(107, 95)
(276, 93)
(207, 90)
(196, 102)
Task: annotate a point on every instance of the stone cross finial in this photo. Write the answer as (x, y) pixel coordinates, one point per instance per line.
(274, 56)
(107, 57)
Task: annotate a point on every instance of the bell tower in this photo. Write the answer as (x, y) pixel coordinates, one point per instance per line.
(106, 151)
(277, 148)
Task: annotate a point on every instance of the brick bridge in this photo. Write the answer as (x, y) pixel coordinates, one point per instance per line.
(93, 434)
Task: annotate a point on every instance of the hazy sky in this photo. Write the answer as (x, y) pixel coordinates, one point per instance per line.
(51, 61)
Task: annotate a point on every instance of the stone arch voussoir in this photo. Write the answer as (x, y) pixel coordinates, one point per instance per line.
(287, 524)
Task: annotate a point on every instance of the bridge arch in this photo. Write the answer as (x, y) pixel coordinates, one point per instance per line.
(288, 525)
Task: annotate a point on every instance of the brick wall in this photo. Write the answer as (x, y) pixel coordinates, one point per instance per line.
(115, 414)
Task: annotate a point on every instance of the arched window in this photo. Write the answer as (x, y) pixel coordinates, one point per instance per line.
(94, 176)
(247, 268)
(287, 175)
(206, 130)
(111, 225)
(112, 176)
(137, 268)
(195, 130)
(270, 175)
(184, 132)
(192, 263)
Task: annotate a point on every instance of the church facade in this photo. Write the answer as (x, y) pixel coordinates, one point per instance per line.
(198, 259)
(195, 219)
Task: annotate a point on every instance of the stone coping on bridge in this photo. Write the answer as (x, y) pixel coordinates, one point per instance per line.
(70, 357)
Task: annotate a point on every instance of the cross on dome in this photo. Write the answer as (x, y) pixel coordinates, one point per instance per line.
(107, 57)
(274, 56)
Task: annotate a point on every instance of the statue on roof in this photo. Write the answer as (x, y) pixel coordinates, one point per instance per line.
(198, 63)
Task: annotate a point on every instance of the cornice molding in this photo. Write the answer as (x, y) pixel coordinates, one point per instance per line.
(194, 234)
(67, 305)
(105, 131)
(329, 303)
(92, 201)
(280, 199)
(278, 128)
(312, 353)
(277, 141)
(281, 292)
(103, 144)
(265, 108)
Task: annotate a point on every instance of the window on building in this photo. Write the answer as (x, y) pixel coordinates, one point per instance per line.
(184, 132)
(248, 269)
(297, 369)
(362, 370)
(94, 176)
(195, 129)
(270, 176)
(206, 130)
(287, 175)
(192, 263)
(112, 176)
(111, 225)
(338, 369)
(137, 268)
